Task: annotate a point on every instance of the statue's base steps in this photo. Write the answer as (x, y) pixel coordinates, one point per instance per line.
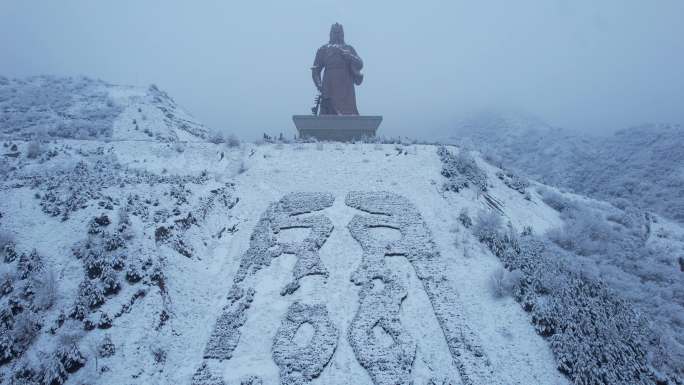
(341, 128)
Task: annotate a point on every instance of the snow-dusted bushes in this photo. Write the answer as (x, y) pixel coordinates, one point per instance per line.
(596, 337)
(461, 171)
(555, 200)
(232, 141)
(7, 277)
(52, 368)
(25, 329)
(5, 168)
(502, 282)
(34, 149)
(72, 188)
(62, 107)
(106, 348)
(641, 164)
(104, 256)
(216, 137)
(6, 239)
(487, 226)
(615, 245)
(45, 289)
(465, 219)
(21, 309)
(179, 147)
(513, 181)
(596, 289)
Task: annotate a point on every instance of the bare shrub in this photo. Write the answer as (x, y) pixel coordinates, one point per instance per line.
(461, 171)
(586, 233)
(216, 137)
(242, 167)
(487, 225)
(5, 168)
(6, 239)
(555, 200)
(464, 218)
(158, 353)
(233, 141)
(179, 147)
(34, 149)
(502, 282)
(106, 348)
(69, 352)
(52, 370)
(7, 277)
(45, 289)
(26, 328)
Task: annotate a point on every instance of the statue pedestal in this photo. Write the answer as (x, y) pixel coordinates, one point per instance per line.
(341, 128)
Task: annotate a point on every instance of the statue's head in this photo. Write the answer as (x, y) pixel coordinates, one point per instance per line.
(336, 34)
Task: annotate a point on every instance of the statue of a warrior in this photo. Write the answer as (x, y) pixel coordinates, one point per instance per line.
(342, 71)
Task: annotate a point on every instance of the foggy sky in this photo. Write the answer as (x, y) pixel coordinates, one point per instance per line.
(244, 66)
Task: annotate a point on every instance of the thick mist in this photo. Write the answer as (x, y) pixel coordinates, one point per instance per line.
(243, 67)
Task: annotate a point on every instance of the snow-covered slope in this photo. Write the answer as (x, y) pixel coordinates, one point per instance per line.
(191, 232)
(152, 262)
(145, 245)
(642, 164)
(47, 107)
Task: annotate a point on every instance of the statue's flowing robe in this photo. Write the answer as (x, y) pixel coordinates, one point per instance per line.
(341, 73)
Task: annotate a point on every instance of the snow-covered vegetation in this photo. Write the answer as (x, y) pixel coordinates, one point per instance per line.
(149, 254)
(603, 284)
(46, 107)
(642, 164)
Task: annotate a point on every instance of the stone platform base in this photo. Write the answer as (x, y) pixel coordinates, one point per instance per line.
(341, 128)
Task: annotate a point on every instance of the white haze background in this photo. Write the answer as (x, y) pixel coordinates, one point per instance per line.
(243, 67)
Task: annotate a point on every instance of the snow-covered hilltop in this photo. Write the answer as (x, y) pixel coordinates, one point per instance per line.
(175, 261)
(47, 107)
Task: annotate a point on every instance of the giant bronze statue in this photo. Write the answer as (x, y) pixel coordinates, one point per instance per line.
(342, 71)
(336, 70)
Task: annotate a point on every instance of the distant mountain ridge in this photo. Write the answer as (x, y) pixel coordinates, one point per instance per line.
(82, 108)
(643, 164)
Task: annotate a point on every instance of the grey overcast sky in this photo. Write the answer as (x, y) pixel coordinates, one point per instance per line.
(243, 66)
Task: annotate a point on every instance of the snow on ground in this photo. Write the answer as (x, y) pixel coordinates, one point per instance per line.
(44, 107)
(338, 169)
(196, 287)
